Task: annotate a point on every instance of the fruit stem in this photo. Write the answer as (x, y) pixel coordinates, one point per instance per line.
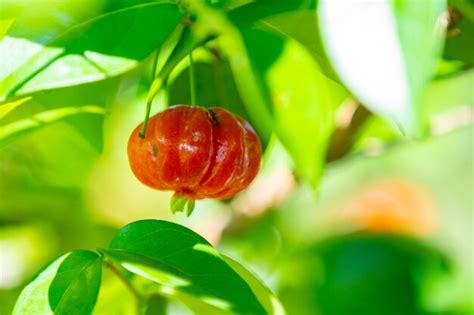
(192, 79)
(149, 101)
(145, 120)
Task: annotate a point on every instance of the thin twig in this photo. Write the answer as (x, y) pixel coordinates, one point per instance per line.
(343, 137)
(150, 100)
(125, 281)
(192, 79)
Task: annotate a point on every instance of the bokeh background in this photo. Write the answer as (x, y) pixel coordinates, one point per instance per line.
(388, 231)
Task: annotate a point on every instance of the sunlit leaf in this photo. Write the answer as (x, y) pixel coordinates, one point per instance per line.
(302, 25)
(186, 266)
(95, 50)
(264, 295)
(5, 25)
(69, 285)
(91, 127)
(8, 107)
(385, 52)
(17, 128)
(303, 98)
(294, 19)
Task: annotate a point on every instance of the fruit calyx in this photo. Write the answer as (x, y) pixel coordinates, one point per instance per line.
(178, 203)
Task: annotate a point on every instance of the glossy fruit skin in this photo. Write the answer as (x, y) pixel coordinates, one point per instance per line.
(196, 152)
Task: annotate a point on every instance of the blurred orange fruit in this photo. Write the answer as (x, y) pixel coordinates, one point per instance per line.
(393, 205)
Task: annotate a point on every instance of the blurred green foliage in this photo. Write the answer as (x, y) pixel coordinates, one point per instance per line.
(65, 181)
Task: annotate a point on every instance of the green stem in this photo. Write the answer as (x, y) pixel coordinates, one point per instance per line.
(155, 63)
(192, 79)
(125, 281)
(149, 100)
(145, 120)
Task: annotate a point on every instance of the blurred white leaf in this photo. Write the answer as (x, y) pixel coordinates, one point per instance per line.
(385, 52)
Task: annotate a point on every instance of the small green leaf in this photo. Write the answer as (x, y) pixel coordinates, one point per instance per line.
(68, 286)
(185, 265)
(190, 207)
(385, 52)
(17, 128)
(177, 204)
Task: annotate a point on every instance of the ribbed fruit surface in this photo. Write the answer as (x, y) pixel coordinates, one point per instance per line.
(196, 152)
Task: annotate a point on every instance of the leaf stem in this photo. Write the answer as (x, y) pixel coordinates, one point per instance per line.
(149, 100)
(155, 63)
(192, 79)
(343, 137)
(124, 280)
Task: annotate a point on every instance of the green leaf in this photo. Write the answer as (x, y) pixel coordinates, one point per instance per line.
(190, 207)
(268, 300)
(302, 26)
(294, 19)
(102, 47)
(5, 25)
(361, 267)
(177, 204)
(459, 43)
(68, 286)
(447, 93)
(303, 98)
(185, 265)
(8, 107)
(91, 127)
(17, 128)
(385, 52)
(255, 11)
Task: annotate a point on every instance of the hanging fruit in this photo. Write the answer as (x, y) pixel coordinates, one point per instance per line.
(196, 152)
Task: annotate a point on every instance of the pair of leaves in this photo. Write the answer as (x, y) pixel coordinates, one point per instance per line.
(184, 266)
